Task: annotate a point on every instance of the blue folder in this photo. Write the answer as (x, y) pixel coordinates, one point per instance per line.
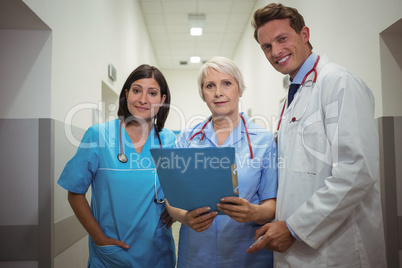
(192, 178)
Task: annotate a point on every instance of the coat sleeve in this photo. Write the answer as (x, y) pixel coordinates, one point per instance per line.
(353, 144)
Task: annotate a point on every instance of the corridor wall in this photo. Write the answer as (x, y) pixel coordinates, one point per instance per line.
(54, 67)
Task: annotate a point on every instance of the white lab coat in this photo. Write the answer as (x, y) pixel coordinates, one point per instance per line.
(329, 174)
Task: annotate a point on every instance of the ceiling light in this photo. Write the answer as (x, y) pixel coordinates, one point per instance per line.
(195, 59)
(196, 31)
(196, 21)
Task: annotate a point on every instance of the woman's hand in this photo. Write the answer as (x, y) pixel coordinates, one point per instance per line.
(242, 210)
(167, 219)
(199, 219)
(107, 241)
(238, 208)
(81, 208)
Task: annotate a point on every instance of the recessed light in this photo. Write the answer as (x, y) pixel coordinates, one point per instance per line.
(195, 59)
(196, 31)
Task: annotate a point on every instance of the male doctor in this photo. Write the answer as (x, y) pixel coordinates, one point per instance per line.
(328, 210)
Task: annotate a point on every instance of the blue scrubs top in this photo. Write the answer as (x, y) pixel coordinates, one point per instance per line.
(122, 197)
(224, 244)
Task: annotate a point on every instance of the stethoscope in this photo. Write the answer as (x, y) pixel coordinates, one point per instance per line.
(123, 159)
(203, 135)
(121, 156)
(314, 69)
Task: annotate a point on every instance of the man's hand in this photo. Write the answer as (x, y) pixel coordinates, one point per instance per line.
(275, 236)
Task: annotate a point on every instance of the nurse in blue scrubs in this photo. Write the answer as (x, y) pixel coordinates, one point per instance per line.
(126, 222)
(208, 239)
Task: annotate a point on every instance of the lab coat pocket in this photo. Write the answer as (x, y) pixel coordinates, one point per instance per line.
(311, 150)
(114, 256)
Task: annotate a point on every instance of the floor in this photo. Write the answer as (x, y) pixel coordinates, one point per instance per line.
(175, 232)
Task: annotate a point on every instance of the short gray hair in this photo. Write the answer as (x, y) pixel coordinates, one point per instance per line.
(222, 65)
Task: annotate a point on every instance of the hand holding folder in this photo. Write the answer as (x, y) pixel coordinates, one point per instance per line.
(196, 177)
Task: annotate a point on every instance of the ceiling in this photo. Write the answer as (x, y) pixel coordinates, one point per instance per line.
(169, 30)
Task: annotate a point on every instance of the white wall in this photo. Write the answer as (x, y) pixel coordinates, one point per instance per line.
(187, 108)
(87, 36)
(346, 31)
(25, 73)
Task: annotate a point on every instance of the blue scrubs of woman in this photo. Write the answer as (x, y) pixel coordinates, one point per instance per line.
(225, 242)
(122, 197)
(126, 222)
(206, 238)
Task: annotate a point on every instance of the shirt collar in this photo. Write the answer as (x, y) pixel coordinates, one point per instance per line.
(306, 67)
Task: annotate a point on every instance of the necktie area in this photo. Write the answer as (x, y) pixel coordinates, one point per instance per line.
(292, 91)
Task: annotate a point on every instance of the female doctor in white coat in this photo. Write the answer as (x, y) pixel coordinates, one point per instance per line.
(208, 240)
(126, 222)
(328, 204)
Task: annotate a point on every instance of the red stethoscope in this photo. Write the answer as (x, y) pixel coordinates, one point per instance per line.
(203, 134)
(314, 69)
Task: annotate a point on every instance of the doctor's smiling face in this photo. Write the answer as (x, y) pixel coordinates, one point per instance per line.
(144, 98)
(285, 49)
(221, 93)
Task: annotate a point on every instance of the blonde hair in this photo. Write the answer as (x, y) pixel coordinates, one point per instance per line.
(222, 65)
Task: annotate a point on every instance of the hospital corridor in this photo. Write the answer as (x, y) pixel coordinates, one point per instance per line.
(63, 65)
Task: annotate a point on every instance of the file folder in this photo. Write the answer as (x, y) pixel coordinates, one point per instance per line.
(192, 178)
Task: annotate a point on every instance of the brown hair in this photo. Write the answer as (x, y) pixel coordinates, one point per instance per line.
(276, 12)
(146, 71)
